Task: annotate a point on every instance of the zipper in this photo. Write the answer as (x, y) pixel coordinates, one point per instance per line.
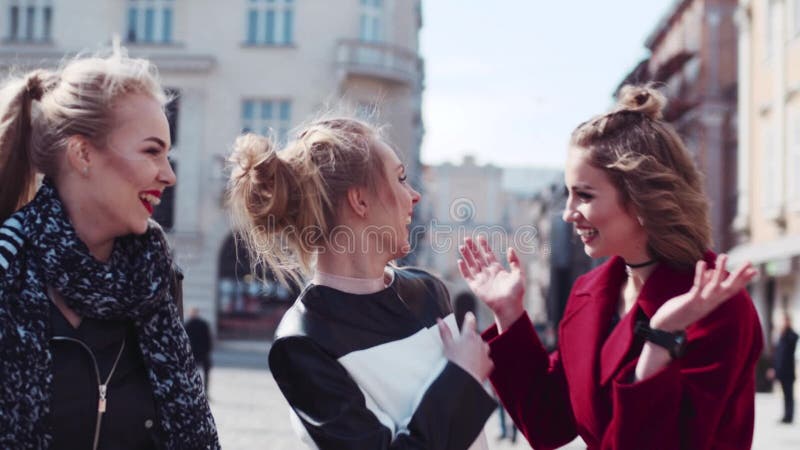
(102, 387)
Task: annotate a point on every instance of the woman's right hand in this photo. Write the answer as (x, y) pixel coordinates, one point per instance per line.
(500, 289)
(469, 351)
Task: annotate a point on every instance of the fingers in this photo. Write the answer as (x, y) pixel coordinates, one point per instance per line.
(740, 278)
(486, 252)
(513, 259)
(699, 278)
(469, 325)
(445, 333)
(719, 270)
(480, 258)
(469, 257)
(462, 267)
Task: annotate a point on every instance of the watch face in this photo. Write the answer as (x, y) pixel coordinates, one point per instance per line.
(680, 345)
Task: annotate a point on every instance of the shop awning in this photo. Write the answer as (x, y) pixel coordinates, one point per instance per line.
(758, 253)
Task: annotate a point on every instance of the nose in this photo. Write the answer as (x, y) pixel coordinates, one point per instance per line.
(166, 175)
(570, 214)
(415, 196)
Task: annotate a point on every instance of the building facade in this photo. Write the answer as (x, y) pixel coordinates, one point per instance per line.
(693, 57)
(768, 218)
(240, 65)
(471, 200)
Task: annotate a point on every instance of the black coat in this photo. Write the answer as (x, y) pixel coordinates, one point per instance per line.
(784, 356)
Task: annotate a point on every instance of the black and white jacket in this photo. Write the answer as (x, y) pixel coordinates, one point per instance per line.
(368, 371)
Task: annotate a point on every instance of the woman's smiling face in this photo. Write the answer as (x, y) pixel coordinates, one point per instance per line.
(594, 206)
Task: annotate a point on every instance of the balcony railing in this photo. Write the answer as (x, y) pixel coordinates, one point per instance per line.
(379, 60)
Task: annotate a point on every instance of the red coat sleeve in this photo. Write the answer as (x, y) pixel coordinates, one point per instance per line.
(531, 385)
(704, 400)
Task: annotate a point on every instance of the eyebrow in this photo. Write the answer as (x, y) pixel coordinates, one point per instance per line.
(157, 141)
(582, 187)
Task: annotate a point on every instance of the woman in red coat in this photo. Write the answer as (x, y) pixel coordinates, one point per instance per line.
(658, 345)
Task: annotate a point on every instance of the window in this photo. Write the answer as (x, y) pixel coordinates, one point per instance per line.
(30, 20)
(772, 193)
(793, 140)
(371, 21)
(270, 22)
(150, 21)
(772, 26)
(795, 17)
(267, 117)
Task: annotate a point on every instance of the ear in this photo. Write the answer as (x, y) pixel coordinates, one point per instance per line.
(79, 155)
(357, 199)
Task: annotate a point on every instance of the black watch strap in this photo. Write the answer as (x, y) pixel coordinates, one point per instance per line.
(674, 342)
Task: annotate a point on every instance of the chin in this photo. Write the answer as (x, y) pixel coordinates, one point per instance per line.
(593, 252)
(139, 228)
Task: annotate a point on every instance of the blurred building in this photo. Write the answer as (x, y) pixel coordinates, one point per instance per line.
(244, 65)
(768, 220)
(471, 200)
(693, 58)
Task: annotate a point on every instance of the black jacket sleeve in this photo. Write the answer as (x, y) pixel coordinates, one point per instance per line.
(333, 409)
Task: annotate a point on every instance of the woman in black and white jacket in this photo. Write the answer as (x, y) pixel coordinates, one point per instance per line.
(366, 357)
(92, 349)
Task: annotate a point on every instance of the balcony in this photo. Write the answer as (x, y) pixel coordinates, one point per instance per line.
(378, 60)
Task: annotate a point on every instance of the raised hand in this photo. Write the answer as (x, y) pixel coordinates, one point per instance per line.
(469, 351)
(500, 289)
(711, 288)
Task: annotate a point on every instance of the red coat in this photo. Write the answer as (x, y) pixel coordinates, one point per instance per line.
(704, 400)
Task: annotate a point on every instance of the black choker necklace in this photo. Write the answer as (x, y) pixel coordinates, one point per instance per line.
(640, 265)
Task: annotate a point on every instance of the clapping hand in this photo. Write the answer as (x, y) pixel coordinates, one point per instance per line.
(500, 289)
(711, 288)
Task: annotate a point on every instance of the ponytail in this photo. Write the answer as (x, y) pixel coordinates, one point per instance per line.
(17, 174)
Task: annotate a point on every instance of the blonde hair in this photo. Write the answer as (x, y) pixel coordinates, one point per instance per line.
(41, 110)
(653, 172)
(284, 204)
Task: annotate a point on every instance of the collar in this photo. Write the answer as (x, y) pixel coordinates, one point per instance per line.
(665, 282)
(352, 285)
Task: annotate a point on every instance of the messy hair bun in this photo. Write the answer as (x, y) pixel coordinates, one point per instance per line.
(643, 99)
(284, 203)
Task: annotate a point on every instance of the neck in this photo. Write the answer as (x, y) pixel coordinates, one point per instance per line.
(638, 276)
(351, 265)
(89, 226)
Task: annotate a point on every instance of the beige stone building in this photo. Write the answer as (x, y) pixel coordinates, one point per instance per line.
(259, 65)
(471, 200)
(693, 58)
(768, 219)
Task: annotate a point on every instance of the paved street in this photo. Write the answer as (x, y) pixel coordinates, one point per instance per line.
(251, 413)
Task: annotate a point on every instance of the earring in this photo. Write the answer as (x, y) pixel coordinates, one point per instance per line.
(85, 170)
(641, 221)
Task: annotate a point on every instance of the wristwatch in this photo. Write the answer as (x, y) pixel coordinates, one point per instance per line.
(674, 342)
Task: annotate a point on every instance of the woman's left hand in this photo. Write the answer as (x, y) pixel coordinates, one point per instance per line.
(710, 289)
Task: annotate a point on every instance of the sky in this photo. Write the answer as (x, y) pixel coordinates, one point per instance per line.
(508, 84)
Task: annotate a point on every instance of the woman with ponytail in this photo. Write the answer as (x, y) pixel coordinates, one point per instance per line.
(658, 345)
(365, 357)
(92, 350)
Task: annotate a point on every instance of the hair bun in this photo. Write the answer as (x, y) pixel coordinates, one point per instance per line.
(249, 151)
(644, 99)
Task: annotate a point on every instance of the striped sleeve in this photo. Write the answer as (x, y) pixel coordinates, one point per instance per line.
(11, 240)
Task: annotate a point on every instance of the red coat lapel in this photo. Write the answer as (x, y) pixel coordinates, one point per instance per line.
(582, 331)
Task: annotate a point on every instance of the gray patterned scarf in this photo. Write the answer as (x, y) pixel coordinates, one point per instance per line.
(133, 285)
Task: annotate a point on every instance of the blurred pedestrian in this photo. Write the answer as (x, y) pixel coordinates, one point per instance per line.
(92, 350)
(199, 333)
(658, 345)
(358, 356)
(783, 368)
